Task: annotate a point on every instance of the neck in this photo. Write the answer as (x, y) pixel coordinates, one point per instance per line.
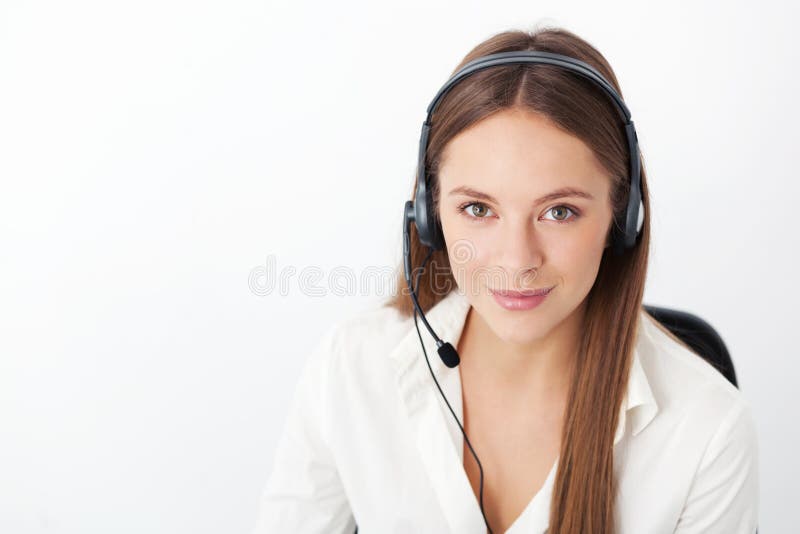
(537, 371)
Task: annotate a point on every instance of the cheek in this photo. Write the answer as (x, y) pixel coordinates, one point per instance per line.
(584, 240)
(468, 256)
(576, 257)
(469, 253)
(576, 245)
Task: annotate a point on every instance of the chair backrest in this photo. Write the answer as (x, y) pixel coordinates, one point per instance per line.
(699, 335)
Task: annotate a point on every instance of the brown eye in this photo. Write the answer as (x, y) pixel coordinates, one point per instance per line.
(478, 210)
(561, 213)
(475, 211)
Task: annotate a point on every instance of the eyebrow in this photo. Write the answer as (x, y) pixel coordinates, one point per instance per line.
(558, 193)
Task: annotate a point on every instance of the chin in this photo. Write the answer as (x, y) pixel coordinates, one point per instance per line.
(517, 327)
(521, 332)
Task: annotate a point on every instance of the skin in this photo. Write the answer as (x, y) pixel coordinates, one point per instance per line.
(522, 358)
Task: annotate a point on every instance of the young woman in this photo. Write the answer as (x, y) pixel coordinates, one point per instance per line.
(567, 408)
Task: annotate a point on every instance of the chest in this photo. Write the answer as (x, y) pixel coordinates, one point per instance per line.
(517, 451)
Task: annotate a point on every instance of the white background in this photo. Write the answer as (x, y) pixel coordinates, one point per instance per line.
(154, 155)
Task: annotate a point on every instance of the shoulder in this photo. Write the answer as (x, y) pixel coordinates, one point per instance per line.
(690, 393)
(698, 442)
(365, 337)
(376, 327)
(356, 370)
(679, 373)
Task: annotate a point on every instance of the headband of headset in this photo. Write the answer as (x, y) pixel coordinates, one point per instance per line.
(430, 233)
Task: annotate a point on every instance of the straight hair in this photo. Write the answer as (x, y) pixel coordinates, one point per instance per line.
(585, 489)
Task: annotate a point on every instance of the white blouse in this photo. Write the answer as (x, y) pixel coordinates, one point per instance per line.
(369, 440)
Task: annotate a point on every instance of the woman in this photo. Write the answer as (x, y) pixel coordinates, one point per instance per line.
(579, 412)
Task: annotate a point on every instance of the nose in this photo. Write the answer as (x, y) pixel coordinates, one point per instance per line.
(520, 253)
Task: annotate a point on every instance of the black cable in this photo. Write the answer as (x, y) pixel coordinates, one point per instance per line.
(416, 325)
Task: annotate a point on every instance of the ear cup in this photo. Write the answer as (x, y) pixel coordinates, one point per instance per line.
(429, 230)
(625, 239)
(437, 238)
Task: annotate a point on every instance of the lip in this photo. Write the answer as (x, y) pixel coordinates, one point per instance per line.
(520, 300)
(525, 293)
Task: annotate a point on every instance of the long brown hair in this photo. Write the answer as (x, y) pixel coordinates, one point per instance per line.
(584, 492)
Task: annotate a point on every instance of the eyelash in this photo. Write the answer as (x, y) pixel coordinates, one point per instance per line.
(463, 207)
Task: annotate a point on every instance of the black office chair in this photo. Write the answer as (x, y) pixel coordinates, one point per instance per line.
(699, 335)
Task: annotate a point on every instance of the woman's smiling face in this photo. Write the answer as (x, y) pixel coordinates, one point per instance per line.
(505, 231)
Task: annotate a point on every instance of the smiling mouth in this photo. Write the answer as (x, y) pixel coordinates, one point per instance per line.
(522, 294)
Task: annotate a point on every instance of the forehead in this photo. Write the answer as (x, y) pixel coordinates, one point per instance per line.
(522, 153)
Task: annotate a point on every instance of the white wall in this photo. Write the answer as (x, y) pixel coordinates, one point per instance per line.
(154, 154)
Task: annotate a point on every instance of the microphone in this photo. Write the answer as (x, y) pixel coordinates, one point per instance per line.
(447, 352)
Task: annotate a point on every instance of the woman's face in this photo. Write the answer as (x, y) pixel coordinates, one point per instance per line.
(503, 234)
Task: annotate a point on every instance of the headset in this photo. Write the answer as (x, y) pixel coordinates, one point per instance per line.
(420, 210)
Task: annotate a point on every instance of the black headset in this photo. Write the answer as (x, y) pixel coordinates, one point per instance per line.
(430, 232)
(421, 213)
